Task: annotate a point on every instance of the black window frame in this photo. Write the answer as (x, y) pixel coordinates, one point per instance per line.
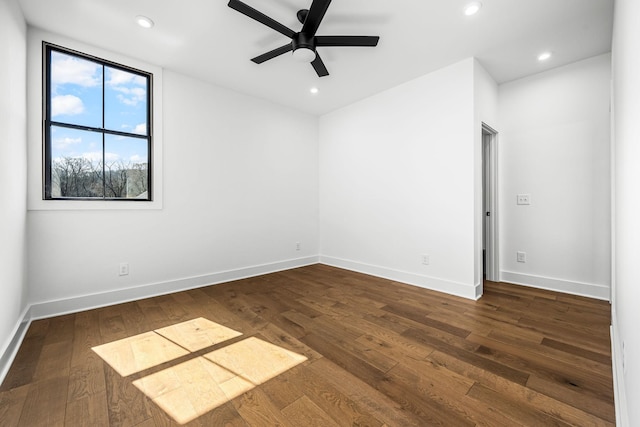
(47, 49)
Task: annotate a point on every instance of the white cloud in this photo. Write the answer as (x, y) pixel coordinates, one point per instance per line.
(111, 157)
(136, 158)
(118, 77)
(140, 129)
(66, 104)
(65, 69)
(132, 88)
(66, 142)
(96, 157)
(131, 96)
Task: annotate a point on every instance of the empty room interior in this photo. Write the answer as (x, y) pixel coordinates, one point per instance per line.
(299, 213)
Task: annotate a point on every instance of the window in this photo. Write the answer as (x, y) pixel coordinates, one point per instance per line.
(97, 128)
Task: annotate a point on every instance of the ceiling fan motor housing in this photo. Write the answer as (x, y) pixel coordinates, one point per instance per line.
(303, 41)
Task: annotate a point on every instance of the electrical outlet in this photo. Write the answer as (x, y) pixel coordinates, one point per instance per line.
(297, 246)
(425, 259)
(524, 199)
(521, 256)
(124, 269)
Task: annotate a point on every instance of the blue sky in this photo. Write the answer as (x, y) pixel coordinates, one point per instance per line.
(76, 97)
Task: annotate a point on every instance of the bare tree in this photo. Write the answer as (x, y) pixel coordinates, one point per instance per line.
(79, 177)
(76, 177)
(115, 180)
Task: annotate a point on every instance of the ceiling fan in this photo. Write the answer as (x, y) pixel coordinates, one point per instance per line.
(303, 43)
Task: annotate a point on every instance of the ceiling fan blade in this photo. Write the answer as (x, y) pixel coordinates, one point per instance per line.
(261, 17)
(314, 17)
(272, 54)
(347, 41)
(318, 65)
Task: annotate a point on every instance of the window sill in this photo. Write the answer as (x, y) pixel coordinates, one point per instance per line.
(91, 205)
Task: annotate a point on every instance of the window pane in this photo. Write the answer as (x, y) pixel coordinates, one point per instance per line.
(125, 101)
(76, 163)
(76, 90)
(126, 167)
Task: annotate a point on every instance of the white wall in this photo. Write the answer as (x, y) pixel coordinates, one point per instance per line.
(397, 181)
(240, 189)
(555, 146)
(485, 100)
(626, 298)
(13, 175)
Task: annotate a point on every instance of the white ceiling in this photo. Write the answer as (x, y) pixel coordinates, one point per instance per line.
(208, 40)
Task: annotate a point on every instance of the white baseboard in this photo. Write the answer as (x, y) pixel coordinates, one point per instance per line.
(619, 393)
(12, 345)
(45, 309)
(575, 288)
(427, 282)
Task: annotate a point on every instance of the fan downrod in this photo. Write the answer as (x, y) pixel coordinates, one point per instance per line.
(302, 15)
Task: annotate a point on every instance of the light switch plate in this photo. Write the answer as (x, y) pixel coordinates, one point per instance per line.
(524, 199)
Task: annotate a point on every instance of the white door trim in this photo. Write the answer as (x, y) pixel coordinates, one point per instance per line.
(491, 203)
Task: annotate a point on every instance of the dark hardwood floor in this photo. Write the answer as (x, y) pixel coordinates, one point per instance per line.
(319, 346)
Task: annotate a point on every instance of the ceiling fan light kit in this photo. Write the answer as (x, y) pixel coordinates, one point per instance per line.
(304, 54)
(303, 43)
(303, 47)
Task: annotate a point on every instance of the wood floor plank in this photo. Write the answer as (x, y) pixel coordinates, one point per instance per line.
(87, 410)
(540, 364)
(25, 363)
(54, 361)
(421, 316)
(223, 416)
(284, 389)
(518, 392)
(256, 409)
(603, 359)
(126, 405)
(344, 411)
(379, 405)
(87, 380)
(11, 404)
(602, 367)
(45, 403)
(303, 412)
(351, 362)
(470, 356)
(112, 325)
(422, 405)
(601, 407)
(518, 412)
(61, 329)
(86, 335)
(276, 335)
(319, 345)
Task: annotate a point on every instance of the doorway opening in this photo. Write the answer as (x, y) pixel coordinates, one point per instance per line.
(490, 259)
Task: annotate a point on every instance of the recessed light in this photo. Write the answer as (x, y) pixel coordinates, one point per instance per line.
(144, 22)
(544, 56)
(313, 90)
(472, 8)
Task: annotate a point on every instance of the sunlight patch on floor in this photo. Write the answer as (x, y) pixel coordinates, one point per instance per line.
(186, 390)
(254, 359)
(134, 354)
(197, 334)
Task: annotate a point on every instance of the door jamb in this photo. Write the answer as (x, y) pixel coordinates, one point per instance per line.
(492, 251)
